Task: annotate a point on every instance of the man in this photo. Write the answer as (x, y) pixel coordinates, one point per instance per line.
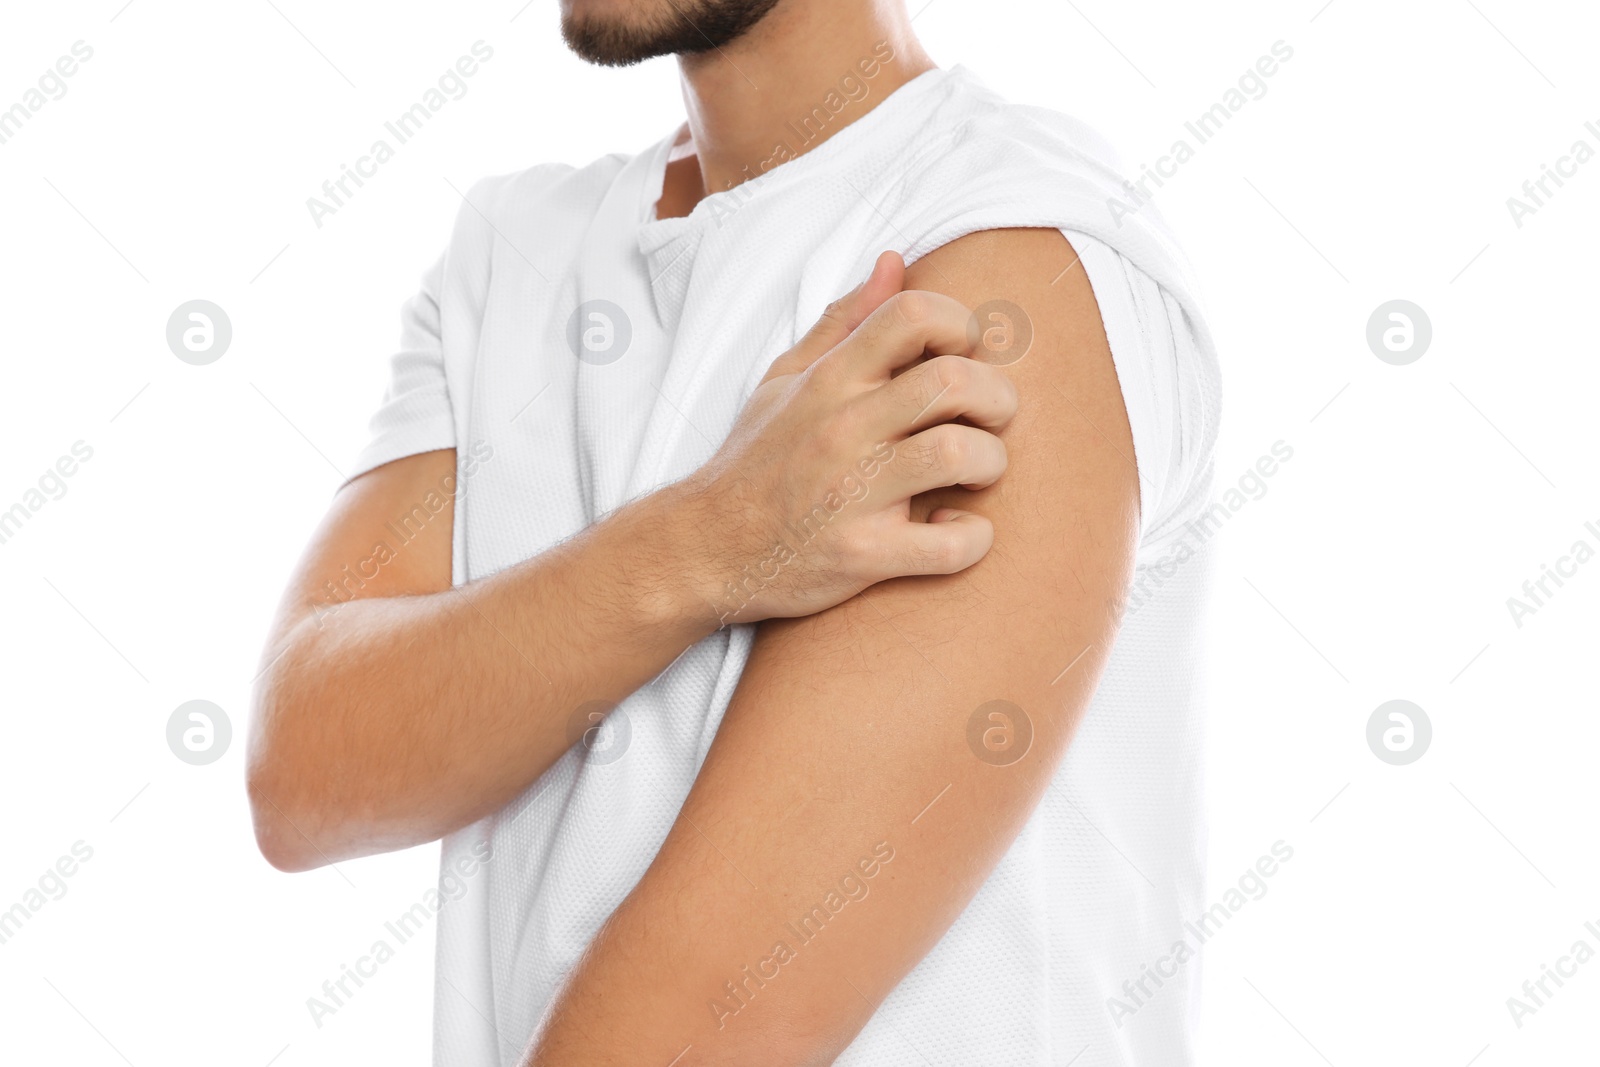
(738, 664)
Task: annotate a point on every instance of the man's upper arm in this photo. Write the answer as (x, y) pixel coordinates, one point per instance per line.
(387, 533)
(851, 737)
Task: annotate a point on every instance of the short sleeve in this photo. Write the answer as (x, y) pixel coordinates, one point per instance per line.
(1170, 388)
(415, 415)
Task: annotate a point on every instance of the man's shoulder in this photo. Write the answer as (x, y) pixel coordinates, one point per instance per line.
(544, 186)
(976, 119)
(995, 164)
(988, 160)
(539, 214)
(1001, 166)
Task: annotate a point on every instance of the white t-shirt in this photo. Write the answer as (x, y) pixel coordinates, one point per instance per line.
(578, 353)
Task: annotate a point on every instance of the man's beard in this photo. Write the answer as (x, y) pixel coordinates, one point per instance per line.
(682, 27)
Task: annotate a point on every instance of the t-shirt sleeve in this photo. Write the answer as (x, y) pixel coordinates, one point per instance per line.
(1170, 388)
(415, 415)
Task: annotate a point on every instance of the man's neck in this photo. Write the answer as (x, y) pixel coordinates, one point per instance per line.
(808, 70)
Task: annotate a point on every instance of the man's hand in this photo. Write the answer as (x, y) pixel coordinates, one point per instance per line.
(810, 495)
(408, 708)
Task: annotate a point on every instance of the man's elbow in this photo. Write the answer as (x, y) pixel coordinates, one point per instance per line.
(280, 784)
(280, 843)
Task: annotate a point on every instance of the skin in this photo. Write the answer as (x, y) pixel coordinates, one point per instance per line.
(417, 709)
(740, 96)
(414, 708)
(847, 724)
(848, 732)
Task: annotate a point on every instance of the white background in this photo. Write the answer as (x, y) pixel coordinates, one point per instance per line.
(1377, 566)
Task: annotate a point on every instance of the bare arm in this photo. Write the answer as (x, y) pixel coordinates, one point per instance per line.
(414, 708)
(848, 749)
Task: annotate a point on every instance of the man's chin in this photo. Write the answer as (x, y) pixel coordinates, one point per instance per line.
(611, 44)
(627, 35)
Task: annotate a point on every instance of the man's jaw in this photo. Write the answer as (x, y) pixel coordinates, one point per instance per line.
(619, 35)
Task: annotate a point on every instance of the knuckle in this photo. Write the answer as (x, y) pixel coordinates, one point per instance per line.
(951, 447)
(853, 550)
(921, 458)
(936, 555)
(843, 428)
(949, 373)
(913, 306)
(824, 375)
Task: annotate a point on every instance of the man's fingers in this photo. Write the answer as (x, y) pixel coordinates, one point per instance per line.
(948, 542)
(905, 327)
(843, 316)
(944, 455)
(942, 389)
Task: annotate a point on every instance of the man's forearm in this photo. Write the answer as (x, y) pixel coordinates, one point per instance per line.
(395, 720)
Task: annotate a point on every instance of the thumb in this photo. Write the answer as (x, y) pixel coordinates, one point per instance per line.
(842, 316)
